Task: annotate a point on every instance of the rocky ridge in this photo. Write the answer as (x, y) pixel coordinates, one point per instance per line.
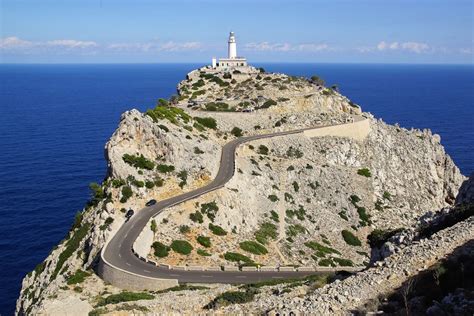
(322, 185)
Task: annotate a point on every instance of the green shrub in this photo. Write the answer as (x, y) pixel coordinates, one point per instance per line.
(350, 238)
(153, 226)
(364, 172)
(210, 209)
(317, 80)
(98, 193)
(231, 297)
(262, 150)
(343, 262)
(268, 104)
(354, 199)
(364, 217)
(387, 195)
(117, 183)
(126, 193)
(196, 217)
(274, 216)
(267, 230)
(149, 184)
(203, 253)
(204, 241)
(296, 187)
(237, 257)
(343, 215)
(253, 247)
(217, 230)
(184, 229)
(326, 262)
(77, 277)
(294, 230)
(208, 122)
(139, 162)
(125, 296)
(289, 198)
(379, 236)
(237, 132)
(198, 151)
(109, 220)
(161, 250)
(294, 152)
(183, 176)
(171, 114)
(165, 168)
(320, 248)
(71, 246)
(181, 246)
(163, 127)
(273, 197)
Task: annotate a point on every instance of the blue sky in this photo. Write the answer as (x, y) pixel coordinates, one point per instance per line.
(354, 31)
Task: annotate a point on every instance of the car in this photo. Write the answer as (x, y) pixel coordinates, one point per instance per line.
(129, 214)
(150, 203)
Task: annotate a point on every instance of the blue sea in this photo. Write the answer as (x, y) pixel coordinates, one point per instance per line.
(56, 119)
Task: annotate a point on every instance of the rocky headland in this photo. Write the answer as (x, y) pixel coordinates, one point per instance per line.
(387, 203)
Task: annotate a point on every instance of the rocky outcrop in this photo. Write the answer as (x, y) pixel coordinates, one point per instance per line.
(466, 191)
(298, 191)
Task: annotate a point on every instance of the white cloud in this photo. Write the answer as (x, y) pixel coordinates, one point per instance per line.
(71, 44)
(467, 51)
(285, 47)
(14, 42)
(175, 47)
(415, 47)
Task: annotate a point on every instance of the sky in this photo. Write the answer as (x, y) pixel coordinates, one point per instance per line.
(154, 31)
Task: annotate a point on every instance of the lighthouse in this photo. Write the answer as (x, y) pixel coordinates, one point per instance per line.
(232, 46)
(232, 61)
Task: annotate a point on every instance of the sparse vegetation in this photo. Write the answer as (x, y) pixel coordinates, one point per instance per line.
(262, 150)
(321, 250)
(126, 193)
(171, 114)
(267, 230)
(274, 216)
(364, 172)
(350, 238)
(125, 296)
(237, 132)
(217, 230)
(273, 197)
(165, 168)
(196, 217)
(198, 151)
(237, 257)
(203, 253)
(181, 246)
(253, 247)
(204, 241)
(160, 249)
(208, 122)
(78, 277)
(139, 162)
(210, 209)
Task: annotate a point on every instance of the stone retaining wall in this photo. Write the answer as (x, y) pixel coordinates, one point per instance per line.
(356, 130)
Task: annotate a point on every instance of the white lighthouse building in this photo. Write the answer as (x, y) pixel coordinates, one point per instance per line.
(232, 61)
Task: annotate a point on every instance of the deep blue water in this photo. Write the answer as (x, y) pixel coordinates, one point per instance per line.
(55, 120)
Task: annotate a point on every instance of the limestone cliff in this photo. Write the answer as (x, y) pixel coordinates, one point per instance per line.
(294, 195)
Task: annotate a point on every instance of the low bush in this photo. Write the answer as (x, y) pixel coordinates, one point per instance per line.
(364, 172)
(125, 296)
(253, 247)
(262, 150)
(294, 230)
(274, 216)
(321, 248)
(273, 197)
(183, 176)
(163, 127)
(117, 183)
(231, 297)
(139, 162)
(203, 253)
(296, 187)
(78, 277)
(237, 132)
(184, 229)
(153, 226)
(71, 246)
(379, 236)
(204, 241)
(165, 168)
(268, 104)
(126, 193)
(217, 230)
(198, 151)
(237, 257)
(181, 246)
(350, 238)
(208, 122)
(160, 250)
(210, 209)
(343, 262)
(196, 217)
(267, 230)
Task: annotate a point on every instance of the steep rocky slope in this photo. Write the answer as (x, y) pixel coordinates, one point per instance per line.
(297, 200)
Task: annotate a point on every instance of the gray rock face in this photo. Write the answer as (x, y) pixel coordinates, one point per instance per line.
(466, 191)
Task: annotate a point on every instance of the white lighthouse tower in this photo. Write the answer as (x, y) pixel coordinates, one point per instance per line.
(232, 62)
(232, 46)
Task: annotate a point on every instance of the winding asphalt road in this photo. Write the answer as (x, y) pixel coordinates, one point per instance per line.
(118, 251)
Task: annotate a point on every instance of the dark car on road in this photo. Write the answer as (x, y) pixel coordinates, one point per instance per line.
(150, 203)
(129, 214)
